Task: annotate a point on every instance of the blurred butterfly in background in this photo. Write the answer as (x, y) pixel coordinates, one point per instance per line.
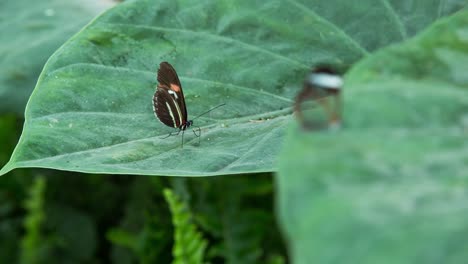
(169, 102)
(323, 87)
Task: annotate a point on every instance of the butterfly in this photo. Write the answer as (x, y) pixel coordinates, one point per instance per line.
(322, 85)
(169, 101)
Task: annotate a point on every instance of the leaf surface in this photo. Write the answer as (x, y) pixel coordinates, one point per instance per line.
(91, 110)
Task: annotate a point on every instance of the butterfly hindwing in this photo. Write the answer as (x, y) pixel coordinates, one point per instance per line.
(167, 109)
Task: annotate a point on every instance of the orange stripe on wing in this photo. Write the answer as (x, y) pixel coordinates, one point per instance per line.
(175, 87)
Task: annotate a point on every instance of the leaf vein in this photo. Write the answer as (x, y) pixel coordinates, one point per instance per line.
(396, 18)
(345, 35)
(217, 37)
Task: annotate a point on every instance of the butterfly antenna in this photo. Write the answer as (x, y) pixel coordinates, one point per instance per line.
(209, 111)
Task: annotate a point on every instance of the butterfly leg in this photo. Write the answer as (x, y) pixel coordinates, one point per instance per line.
(335, 121)
(197, 135)
(170, 134)
(303, 96)
(182, 137)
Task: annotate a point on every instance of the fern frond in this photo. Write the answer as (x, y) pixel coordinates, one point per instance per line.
(189, 245)
(33, 238)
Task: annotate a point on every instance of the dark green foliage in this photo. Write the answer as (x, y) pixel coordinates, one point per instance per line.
(236, 214)
(233, 213)
(122, 219)
(144, 232)
(189, 245)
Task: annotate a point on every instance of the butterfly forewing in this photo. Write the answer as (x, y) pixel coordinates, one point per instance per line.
(169, 101)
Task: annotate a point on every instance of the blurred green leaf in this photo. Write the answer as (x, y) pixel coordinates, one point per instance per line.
(391, 186)
(31, 32)
(91, 110)
(123, 238)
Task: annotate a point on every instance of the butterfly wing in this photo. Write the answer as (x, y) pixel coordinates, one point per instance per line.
(169, 101)
(169, 80)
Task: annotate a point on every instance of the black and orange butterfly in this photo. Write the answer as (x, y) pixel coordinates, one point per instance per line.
(169, 102)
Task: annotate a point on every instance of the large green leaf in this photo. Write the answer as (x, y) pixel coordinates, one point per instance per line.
(91, 110)
(30, 33)
(390, 187)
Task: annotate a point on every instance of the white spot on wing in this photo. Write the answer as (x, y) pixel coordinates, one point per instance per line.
(173, 94)
(326, 80)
